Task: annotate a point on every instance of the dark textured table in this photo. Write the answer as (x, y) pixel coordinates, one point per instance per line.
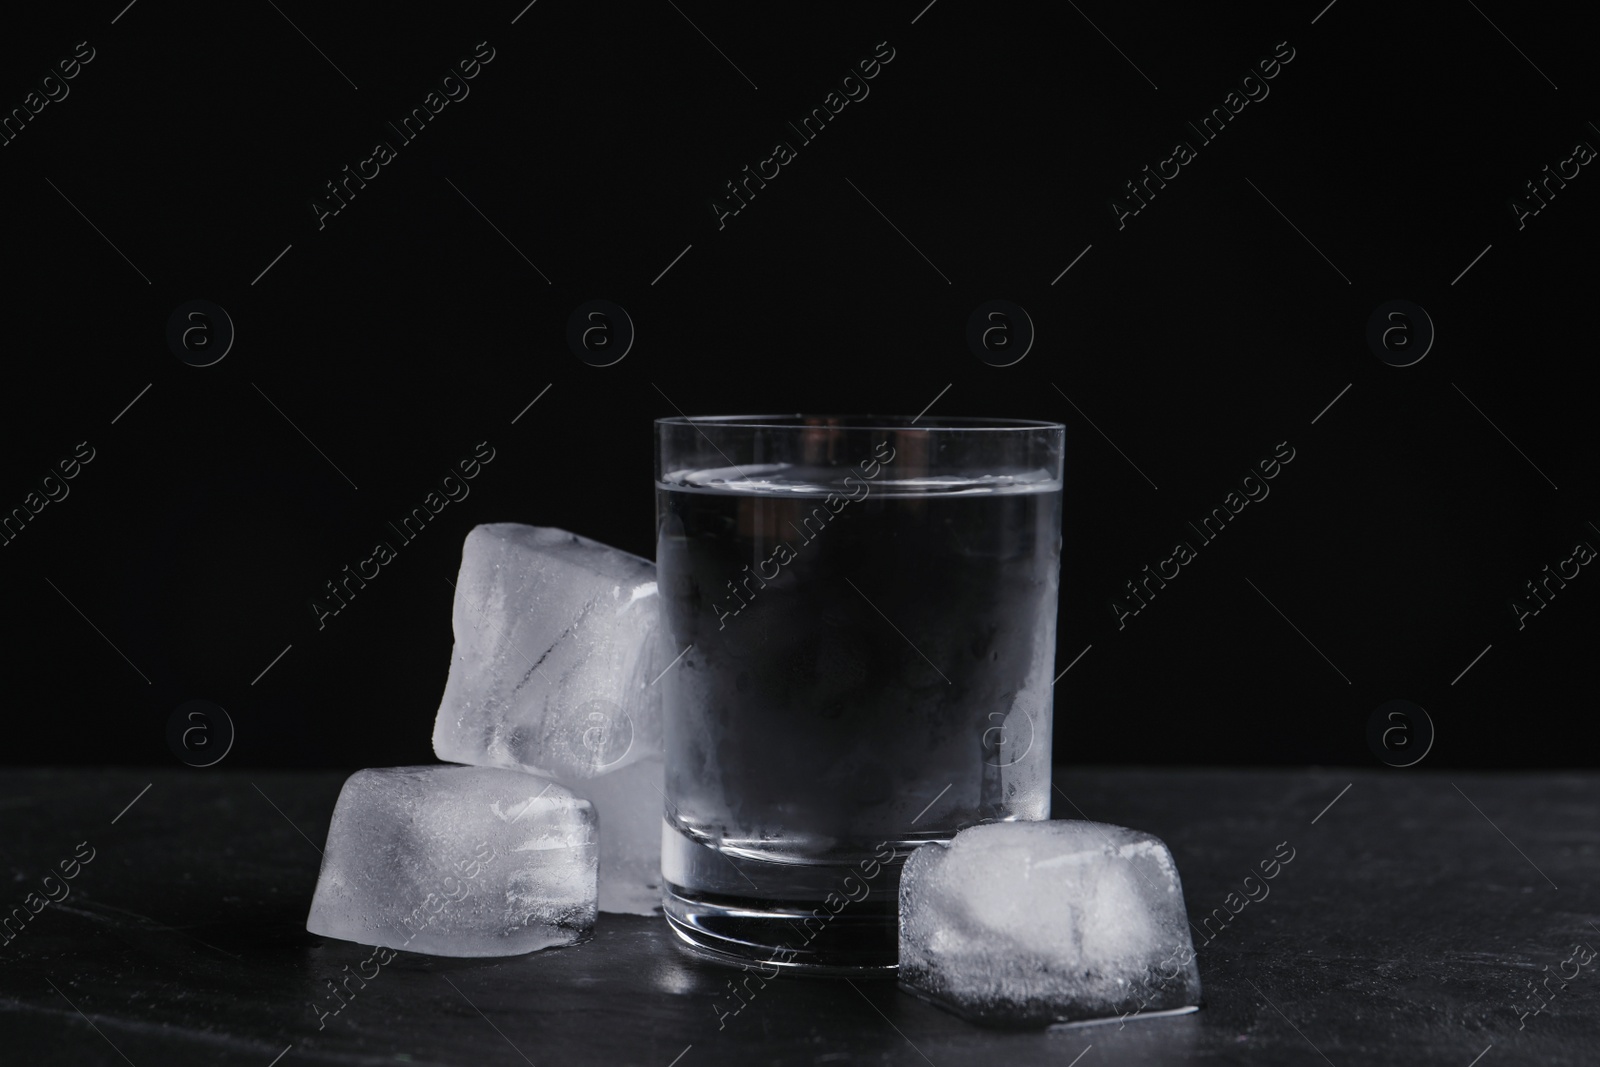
(1415, 918)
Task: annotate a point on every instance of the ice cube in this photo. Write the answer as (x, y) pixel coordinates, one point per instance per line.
(628, 804)
(1031, 923)
(555, 652)
(457, 861)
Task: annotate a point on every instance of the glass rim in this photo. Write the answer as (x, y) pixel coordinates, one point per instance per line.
(933, 423)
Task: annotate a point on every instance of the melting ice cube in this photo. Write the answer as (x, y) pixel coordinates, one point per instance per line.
(1031, 923)
(457, 861)
(555, 652)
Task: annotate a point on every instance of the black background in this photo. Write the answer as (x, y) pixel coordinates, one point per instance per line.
(408, 330)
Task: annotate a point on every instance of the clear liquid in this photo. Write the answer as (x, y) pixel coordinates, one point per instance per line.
(883, 677)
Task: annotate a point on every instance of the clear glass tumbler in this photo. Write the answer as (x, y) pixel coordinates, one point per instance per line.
(866, 608)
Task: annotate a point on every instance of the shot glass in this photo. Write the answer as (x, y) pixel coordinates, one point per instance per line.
(866, 608)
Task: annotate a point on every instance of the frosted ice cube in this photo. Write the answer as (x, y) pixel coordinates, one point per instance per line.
(1030, 923)
(457, 861)
(628, 804)
(555, 652)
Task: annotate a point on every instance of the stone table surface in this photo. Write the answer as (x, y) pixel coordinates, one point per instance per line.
(1417, 915)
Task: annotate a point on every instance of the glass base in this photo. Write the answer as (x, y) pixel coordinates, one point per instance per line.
(756, 934)
(835, 918)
